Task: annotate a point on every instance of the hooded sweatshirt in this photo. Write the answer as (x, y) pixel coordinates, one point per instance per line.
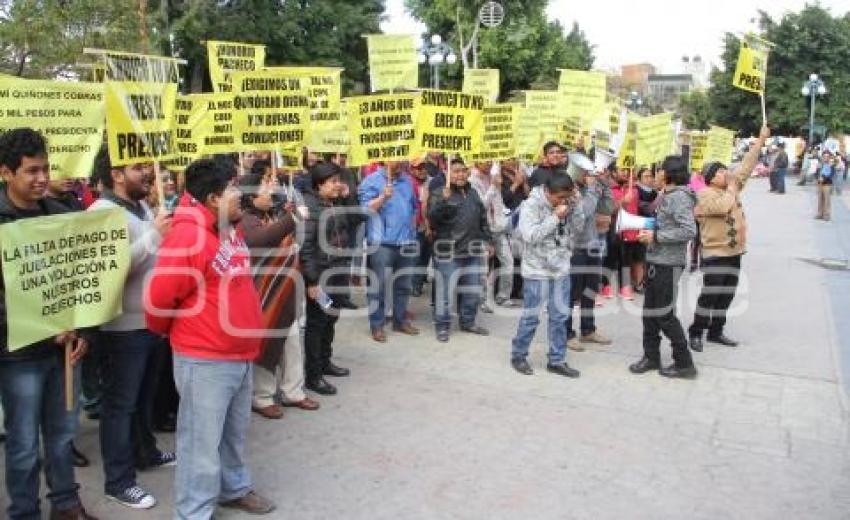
(547, 240)
(205, 276)
(674, 227)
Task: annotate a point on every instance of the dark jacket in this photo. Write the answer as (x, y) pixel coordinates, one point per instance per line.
(46, 348)
(781, 162)
(675, 226)
(332, 223)
(540, 176)
(460, 220)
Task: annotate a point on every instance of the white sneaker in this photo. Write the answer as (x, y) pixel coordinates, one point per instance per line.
(134, 497)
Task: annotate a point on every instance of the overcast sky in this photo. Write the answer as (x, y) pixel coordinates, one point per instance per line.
(654, 31)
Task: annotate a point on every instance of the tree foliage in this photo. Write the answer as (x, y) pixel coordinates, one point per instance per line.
(695, 110)
(526, 48)
(45, 38)
(811, 40)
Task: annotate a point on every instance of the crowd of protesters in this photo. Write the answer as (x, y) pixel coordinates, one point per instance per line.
(194, 353)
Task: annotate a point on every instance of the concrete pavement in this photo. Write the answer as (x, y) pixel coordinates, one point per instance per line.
(423, 430)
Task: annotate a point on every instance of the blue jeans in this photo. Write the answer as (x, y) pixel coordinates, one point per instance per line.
(212, 426)
(556, 294)
(392, 267)
(777, 180)
(34, 399)
(458, 276)
(127, 406)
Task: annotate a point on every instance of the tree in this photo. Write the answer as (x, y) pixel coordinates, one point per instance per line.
(45, 38)
(695, 110)
(527, 49)
(811, 40)
(314, 32)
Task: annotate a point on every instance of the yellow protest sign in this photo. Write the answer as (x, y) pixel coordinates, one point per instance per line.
(751, 69)
(448, 122)
(527, 133)
(698, 142)
(547, 104)
(140, 68)
(190, 130)
(140, 122)
(69, 115)
(271, 111)
(225, 58)
(654, 138)
(571, 133)
(217, 124)
(63, 272)
(482, 82)
(324, 90)
(582, 92)
(720, 144)
(393, 62)
(498, 136)
(337, 139)
(381, 127)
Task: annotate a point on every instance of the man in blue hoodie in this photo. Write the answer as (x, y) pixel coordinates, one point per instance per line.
(388, 196)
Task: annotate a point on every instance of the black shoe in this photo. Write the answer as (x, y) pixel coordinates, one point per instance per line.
(522, 366)
(442, 335)
(346, 303)
(335, 371)
(320, 386)
(644, 365)
(723, 340)
(475, 329)
(677, 372)
(563, 369)
(696, 343)
(80, 460)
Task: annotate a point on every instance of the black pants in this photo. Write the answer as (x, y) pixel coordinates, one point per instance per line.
(318, 339)
(659, 315)
(719, 282)
(166, 400)
(584, 284)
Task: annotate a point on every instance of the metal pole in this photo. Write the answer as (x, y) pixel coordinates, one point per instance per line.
(437, 76)
(813, 94)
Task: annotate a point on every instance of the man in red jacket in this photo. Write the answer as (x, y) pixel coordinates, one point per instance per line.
(201, 294)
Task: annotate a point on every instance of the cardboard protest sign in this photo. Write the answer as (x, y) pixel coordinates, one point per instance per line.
(382, 127)
(698, 142)
(140, 121)
(498, 133)
(225, 58)
(63, 272)
(626, 156)
(482, 82)
(393, 62)
(582, 92)
(654, 138)
(190, 113)
(69, 115)
(448, 122)
(527, 133)
(324, 90)
(271, 111)
(127, 67)
(751, 69)
(547, 104)
(720, 144)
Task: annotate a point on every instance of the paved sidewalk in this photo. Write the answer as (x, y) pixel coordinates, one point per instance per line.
(423, 430)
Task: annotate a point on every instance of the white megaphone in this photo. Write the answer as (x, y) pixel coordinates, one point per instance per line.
(578, 163)
(628, 222)
(603, 159)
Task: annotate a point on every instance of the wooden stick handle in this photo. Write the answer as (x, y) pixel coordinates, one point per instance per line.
(69, 377)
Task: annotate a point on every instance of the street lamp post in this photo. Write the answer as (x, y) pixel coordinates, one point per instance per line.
(435, 52)
(812, 88)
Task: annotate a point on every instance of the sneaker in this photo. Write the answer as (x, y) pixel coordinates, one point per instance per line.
(134, 497)
(573, 344)
(595, 337)
(486, 308)
(607, 292)
(626, 293)
(166, 458)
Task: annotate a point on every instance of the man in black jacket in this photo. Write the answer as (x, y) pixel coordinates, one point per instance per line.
(554, 157)
(462, 240)
(325, 240)
(32, 378)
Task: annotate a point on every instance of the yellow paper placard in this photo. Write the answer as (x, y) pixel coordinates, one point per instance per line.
(751, 70)
(698, 143)
(720, 145)
(498, 136)
(225, 58)
(448, 122)
(393, 62)
(482, 82)
(654, 138)
(547, 104)
(140, 121)
(69, 115)
(324, 90)
(63, 272)
(139, 68)
(382, 127)
(271, 111)
(582, 92)
(527, 134)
